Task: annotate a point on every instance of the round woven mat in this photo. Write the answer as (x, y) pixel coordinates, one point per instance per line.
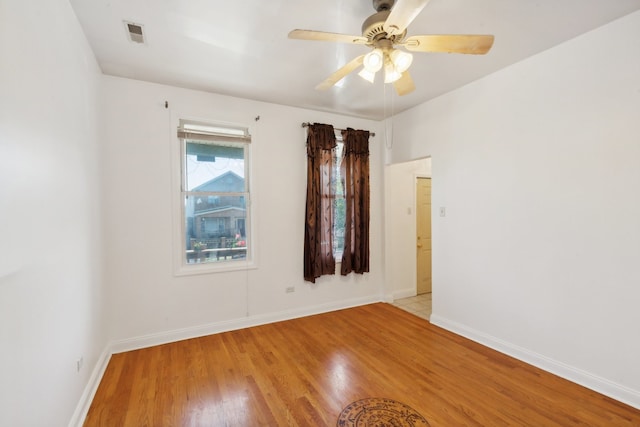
(380, 412)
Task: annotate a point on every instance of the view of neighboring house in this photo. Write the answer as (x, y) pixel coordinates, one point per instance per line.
(212, 217)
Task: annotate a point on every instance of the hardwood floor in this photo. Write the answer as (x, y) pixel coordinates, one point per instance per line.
(303, 372)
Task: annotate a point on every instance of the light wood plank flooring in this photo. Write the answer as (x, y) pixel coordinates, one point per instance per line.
(303, 372)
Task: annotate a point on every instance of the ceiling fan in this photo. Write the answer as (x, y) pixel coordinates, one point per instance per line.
(384, 32)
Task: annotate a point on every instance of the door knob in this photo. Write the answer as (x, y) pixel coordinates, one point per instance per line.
(419, 245)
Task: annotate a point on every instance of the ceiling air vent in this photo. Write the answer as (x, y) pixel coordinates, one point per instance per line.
(134, 32)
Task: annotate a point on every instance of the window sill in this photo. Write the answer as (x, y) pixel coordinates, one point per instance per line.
(214, 268)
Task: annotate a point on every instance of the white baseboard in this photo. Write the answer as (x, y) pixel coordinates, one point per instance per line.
(77, 420)
(404, 293)
(136, 343)
(388, 298)
(601, 385)
(231, 325)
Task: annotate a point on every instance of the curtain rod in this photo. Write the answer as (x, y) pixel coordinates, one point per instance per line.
(306, 124)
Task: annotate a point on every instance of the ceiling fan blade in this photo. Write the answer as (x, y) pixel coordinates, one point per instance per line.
(470, 44)
(329, 37)
(341, 73)
(404, 84)
(402, 14)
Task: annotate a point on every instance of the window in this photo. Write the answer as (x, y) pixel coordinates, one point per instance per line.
(339, 207)
(337, 202)
(214, 195)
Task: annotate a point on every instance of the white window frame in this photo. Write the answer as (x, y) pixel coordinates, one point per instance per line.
(222, 132)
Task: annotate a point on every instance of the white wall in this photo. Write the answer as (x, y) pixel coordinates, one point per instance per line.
(537, 166)
(400, 225)
(50, 240)
(148, 303)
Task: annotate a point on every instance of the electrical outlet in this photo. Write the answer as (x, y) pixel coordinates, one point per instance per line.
(290, 289)
(79, 363)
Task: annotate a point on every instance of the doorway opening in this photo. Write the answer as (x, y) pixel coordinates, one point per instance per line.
(408, 209)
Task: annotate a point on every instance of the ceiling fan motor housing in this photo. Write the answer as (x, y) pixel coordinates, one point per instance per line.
(373, 28)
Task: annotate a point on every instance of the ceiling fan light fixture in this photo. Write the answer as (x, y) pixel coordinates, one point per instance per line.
(401, 60)
(367, 75)
(384, 33)
(373, 60)
(390, 73)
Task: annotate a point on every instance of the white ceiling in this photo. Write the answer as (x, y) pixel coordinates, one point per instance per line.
(240, 47)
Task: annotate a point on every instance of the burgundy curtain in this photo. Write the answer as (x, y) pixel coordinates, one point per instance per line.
(355, 175)
(318, 239)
